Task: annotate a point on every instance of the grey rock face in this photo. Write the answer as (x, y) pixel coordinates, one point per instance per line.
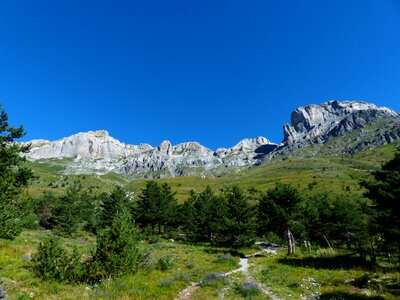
(97, 152)
(3, 295)
(318, 123)
(89, 145)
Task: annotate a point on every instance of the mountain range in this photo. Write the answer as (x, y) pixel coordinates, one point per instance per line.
(364, 125)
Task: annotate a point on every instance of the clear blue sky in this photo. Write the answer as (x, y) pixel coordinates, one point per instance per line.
(209, 71)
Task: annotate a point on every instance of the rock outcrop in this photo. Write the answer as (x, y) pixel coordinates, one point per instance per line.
(98, 152)
(313, 124)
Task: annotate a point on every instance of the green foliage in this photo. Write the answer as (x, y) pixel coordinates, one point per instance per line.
(247, 289)
(228, 219)
(277, 209)
(14, 176)
(340, 219)
(156, 206)
(203, 214)
(117, 250)
(112, 204)
(240, 219)
(384, 190)
(67, 213)
(51, 261)
(45, 209)
(165, 262)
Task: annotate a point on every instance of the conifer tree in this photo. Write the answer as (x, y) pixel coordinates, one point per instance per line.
(276, 212)
(384, 190)
(14, 176)
(111, 204)
(240, 219)
(156, 206)
(204, 214)
(117, 251)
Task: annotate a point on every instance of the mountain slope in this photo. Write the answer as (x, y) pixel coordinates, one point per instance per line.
(362, 125)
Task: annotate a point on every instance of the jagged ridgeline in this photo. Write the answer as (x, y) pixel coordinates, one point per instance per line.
(333, 128)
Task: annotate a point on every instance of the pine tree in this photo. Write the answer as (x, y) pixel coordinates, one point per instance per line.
(277, 212)
(117, 251)
(14, 176)
(240, 219)
(156, 206)
(111, 204)
(384, 190)
(204, 214)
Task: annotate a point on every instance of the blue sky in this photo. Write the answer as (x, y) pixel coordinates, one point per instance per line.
(207, 71)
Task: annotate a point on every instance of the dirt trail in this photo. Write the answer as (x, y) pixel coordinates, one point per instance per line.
(244, 268)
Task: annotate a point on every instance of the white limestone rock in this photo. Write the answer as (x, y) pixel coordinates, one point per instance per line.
(317, 123)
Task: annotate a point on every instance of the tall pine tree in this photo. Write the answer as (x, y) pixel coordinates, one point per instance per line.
(156, 206)
(14, 176)
(240, 219)
(384, 190)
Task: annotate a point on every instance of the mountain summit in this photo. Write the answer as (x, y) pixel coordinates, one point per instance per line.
(98, 152)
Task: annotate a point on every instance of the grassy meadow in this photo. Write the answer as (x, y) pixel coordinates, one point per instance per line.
(175, 265)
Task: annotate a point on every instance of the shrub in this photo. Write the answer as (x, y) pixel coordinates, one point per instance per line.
(51, 261)
(190, 265)
(165, 262)
(226, 259)
(247, 289)
(214, 279)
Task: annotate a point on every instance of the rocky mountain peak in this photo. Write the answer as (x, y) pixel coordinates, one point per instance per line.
(99, 133)
(83, 145)
(313, 121)
(165, 147)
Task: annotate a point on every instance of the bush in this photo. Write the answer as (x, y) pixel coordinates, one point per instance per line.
(247, 289)
(116, 253)
(165, 262)
(226, 259)
(51, 261)
(214, 279)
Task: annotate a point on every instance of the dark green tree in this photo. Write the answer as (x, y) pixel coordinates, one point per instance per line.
(111, 204)
(74, 210)
(52, 261)
(339, 220)
(45, 209)
(240, 219)
(14, 176)
(117, 250)
(156, 206)
(203, 215)
(384, 190)
(277, 212)
(169, 207)
(277, 208)
(148, 205)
